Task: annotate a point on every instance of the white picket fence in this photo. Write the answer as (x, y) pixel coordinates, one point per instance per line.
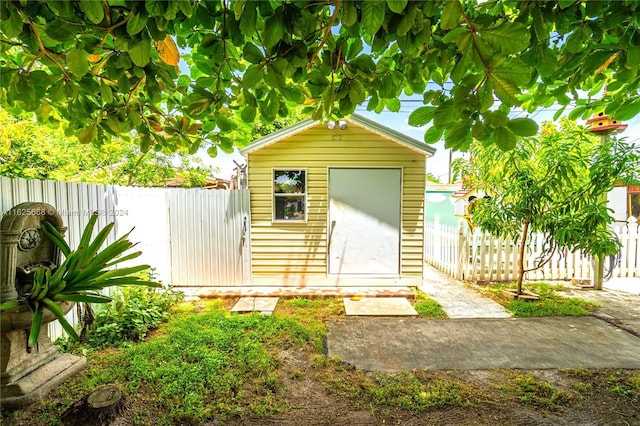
(480, 257)
(191, 237)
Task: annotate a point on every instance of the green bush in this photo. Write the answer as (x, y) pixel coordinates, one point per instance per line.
(134, 311)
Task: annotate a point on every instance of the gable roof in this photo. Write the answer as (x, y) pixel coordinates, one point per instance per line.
(358, 120)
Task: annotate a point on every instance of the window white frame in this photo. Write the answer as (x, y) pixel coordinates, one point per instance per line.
(278, 197)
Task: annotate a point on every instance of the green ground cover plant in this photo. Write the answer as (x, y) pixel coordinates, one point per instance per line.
(531, 390)
(427, 307)
(550, 303)
(133, 313)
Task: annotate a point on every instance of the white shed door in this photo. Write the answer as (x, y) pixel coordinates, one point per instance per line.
(364, 221)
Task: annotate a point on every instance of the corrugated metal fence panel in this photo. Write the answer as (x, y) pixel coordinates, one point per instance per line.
(191, 237)
(209, 237)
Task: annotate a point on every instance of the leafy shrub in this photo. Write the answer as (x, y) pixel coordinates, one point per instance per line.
(134, 311)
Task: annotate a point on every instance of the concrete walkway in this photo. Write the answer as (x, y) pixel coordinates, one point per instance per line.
(396, 344)
(457, 300)
(619, 302)
(481, 335)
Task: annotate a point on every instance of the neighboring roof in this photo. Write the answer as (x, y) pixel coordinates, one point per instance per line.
(443, 187)
(211, 182)
(463, 193)
(358, 120)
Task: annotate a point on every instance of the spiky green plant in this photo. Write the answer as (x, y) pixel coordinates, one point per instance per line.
(82, 276)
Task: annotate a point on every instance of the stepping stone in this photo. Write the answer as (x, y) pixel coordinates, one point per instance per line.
(264, 305)
(379, 306)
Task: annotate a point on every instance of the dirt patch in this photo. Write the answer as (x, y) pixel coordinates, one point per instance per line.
(489, 397)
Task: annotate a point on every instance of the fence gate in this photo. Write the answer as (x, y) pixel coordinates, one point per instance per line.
(209, 237)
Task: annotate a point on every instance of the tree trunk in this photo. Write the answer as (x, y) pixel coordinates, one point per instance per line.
(523, 243)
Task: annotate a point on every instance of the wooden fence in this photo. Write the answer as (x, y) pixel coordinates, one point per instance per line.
(191, 237)
(480, 257)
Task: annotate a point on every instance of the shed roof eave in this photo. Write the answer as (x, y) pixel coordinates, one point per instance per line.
(386, 132)
(277, 136)
(393, 135)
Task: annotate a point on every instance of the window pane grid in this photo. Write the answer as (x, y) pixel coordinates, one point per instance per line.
(289, 195)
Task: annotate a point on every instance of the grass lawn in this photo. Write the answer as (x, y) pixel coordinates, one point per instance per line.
(549, 303)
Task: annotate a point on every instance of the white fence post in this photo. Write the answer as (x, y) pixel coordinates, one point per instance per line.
(632, 245)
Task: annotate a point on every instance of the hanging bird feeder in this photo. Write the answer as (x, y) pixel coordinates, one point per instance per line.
(602, 124)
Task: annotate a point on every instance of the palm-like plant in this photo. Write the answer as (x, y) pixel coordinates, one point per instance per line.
(82, 276)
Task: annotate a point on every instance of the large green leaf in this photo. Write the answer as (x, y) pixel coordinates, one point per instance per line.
(505, 139)
(82, 298)
(36, 325)
(629, 109)
(421, 116)
(12, 27)
(252, 53)
(457, 136)
(248, 19)
(88, 134)
(633, 56)
(451, 15)
(225, 124)
(407, 22)
(507, 38)
(105, 92)
(9, 305)
(252, 75)
(60, 30)
(523, 126)
(140, 51)
(514, 70)
(77, 61)
(397, 6)
(248, 113)
(273, 30)
(444, 114)
(433, 134)
(349, 14)
(357, 93)
(392, 104)
(373, 16)
(94, 10)
(137, 23)
(506, 89)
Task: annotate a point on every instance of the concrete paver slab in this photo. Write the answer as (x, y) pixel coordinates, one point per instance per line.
(380, 306)
(396, 344)
(265, 305)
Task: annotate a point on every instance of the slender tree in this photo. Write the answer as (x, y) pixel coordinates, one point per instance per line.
(553, 184)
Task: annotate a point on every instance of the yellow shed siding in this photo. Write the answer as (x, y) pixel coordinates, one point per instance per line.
(290, 249)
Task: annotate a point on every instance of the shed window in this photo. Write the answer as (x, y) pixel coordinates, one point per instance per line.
(290, 195)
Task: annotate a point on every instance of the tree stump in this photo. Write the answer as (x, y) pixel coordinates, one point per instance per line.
(100, 407)
(104, 398)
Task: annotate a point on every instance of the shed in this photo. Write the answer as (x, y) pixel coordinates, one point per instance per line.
(337, 204)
